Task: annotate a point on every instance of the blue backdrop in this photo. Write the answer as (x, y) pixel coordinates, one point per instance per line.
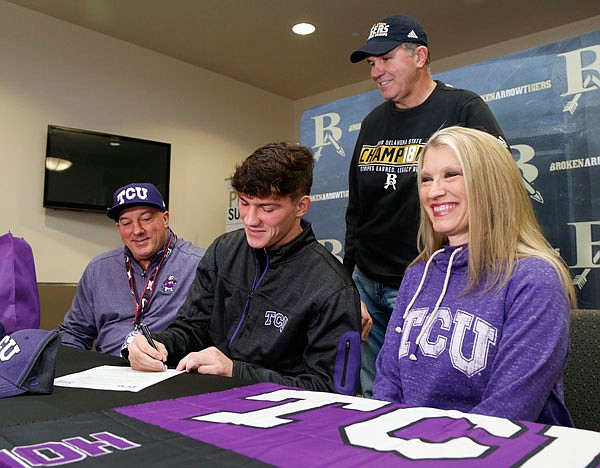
(547, 101)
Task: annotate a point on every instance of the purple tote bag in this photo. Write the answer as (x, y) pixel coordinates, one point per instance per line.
(19, 296)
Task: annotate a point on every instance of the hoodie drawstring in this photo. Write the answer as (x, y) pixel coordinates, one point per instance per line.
(431, 317)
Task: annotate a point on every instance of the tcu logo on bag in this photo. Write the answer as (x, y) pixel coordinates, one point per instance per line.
(132, 193)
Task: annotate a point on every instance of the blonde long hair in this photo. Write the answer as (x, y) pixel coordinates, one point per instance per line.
(502, 224)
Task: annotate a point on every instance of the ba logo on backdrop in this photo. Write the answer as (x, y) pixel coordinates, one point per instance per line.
(547, 101)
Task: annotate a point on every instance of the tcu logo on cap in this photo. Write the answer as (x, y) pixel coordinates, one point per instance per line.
(8, 348)
(132, 193)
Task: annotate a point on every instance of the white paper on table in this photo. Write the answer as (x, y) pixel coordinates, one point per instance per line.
(118, 378)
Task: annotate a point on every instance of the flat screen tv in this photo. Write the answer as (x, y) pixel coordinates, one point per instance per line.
(84, 168)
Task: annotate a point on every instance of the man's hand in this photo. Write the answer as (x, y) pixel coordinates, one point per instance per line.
(366, 322)
(207, 361)
(144, 357)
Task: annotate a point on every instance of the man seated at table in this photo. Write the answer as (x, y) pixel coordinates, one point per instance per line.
(145, 281)
(268, 303)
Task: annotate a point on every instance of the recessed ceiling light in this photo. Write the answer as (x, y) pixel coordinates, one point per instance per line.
(303, 29)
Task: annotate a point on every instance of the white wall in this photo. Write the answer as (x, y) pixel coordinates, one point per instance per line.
(52, 72)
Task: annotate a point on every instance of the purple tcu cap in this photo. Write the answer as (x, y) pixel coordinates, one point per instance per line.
(135, 194)
(27, 362)
(387, 34)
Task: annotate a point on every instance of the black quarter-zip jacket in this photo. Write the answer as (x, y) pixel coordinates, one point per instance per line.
(289, 316)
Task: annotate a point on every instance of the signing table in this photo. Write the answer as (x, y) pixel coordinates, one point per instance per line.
(200, 420)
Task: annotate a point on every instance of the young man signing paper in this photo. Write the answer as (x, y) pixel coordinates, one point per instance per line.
(268, 303)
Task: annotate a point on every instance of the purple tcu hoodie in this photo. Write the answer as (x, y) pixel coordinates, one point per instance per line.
(500, 353)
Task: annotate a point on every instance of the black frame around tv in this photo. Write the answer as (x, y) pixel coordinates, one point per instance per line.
(99, 163)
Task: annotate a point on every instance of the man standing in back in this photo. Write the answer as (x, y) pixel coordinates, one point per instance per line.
(383, 207)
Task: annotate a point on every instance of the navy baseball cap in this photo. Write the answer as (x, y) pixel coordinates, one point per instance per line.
(27, 362)
(387, 34)
(135, 194)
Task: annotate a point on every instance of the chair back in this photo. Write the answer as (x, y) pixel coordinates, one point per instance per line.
(582, 376)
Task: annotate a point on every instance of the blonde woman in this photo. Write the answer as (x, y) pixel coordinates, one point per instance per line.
(481, 323)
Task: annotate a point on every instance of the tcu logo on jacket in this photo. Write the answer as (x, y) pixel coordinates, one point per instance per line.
(277, 319)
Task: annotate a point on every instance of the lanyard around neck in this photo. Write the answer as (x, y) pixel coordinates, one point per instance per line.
(142, 303)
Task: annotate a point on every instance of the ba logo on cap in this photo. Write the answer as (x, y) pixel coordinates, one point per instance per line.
(132, 193)
(378, 30)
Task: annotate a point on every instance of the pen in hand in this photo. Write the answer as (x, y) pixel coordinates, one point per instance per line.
(148, 336)
(151, 342)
